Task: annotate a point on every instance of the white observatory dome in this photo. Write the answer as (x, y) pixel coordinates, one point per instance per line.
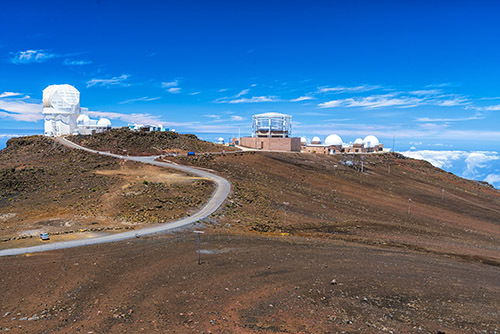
(303, 140)
(83, 119)
(316, 140)
(57, 96)
(104, 122)
(220, 139)
(358, 141)
(371, 141)
(333, 140)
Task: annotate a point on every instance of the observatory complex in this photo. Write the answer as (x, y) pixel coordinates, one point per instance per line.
(334, 144)
(64, 116)
(273, 132)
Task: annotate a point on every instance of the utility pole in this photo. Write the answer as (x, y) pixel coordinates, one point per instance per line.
(389, 169)
(393, 142)
(199, 243)
(442, 194)
(409, 206)
(284, 220)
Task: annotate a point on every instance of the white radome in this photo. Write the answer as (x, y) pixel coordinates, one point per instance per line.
(303, 140)
(220, 139)
(104, 122)
(333, 140)
(316, 139)
(358, 141)
(83, 119)
(371, 141)
(61, 96)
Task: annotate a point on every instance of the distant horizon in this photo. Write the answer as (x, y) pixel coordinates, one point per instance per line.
(473, 165)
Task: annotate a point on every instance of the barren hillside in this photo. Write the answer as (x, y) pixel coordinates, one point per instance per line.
(123, 140)
(352, 258)
(330, 197)
(45, 187)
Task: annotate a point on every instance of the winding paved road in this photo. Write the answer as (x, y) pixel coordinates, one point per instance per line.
(222, 189)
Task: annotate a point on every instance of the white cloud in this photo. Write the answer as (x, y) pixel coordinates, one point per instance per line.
(236, 118)
(426, 92)
(68, 62)
(222, 90)
(144, 98)
(493, 108)
(114, 81)
(138, 118)
(470, 118)
(9, 94)
(493, 179)
(302, 98)
(194, 93)
(440, 159)
(174, 90)
(457, 101)
(243, 92)
(372, 102)
(345, 89)
(477, 160)
(32, 56)
(20, 110)
(253, 99)
(213, 116)
(474, 161)
(174, 83)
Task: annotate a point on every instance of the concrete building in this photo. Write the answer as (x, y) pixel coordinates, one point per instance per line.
(273, 132)
(64, 116)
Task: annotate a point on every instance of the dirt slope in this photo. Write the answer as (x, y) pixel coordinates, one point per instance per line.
(45, 187)
(123, 140)
(246, 284)
(329, 197)
(352, 258)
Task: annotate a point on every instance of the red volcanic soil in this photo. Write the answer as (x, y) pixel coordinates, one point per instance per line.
(246, 284)
(350, 258)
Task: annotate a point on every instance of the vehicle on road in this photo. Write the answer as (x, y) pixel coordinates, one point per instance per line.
(44, 236)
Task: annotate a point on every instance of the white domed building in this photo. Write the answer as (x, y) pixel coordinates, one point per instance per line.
(64, 116)
(334, 144)
(316, 141)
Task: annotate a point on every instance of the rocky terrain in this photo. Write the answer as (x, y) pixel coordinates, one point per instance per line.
(45, 187)
(351, 256)
(329, 197)
(130, 142)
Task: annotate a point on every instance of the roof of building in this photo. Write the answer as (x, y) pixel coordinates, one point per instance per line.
(65, 93)
(333, 140)
(371, 141)
(104, 122)
(271, 114)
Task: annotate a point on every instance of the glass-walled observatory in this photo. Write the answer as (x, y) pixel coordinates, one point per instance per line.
(272, 125)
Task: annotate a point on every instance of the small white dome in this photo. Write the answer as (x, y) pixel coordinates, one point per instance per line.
(333, 140)
(83, 119)
(358, 141)
(303, 140)
(371, 141)
(220, 139)
(104, 122)
(316, 139)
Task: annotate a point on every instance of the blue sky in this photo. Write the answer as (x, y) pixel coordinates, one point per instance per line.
(426, 74)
